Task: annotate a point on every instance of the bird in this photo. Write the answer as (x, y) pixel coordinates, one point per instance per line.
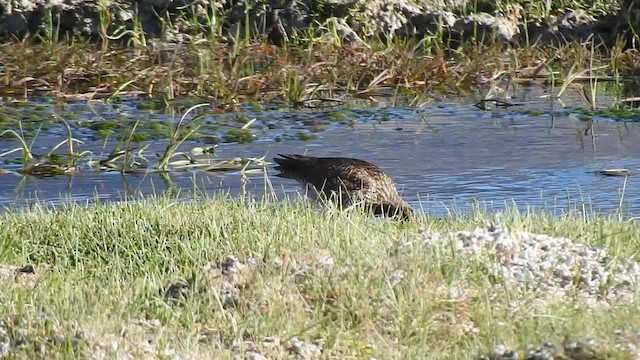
(345, 181)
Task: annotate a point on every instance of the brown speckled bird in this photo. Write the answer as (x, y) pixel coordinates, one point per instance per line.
(346, 181)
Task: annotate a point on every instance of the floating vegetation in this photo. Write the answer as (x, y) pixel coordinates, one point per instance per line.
(241, 136)
(628, 114)
(304, 136)
(98, 120)
(45, 170)
(213, 164)
(126, 157)
(49, 164)
(134, 160)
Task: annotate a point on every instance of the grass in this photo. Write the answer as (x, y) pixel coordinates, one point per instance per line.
(102, 275)
(311, 69)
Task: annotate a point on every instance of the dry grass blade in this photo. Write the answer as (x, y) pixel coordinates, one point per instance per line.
(248, 124)
(383, 76)
(186, 163)
(119, 89)
(254, 164)
(573, 76)
(373, 85)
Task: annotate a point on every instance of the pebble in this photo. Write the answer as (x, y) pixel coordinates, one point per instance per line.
(570, 350)
(304, 349)
(555, 266)
(396, 277)
(224, 278)
(252, 355)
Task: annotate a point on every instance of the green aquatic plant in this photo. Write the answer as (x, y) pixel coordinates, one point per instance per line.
(241, 136)
(130, 154)
(178, 136)
(305, 136)
(48, 164)
(24, 148)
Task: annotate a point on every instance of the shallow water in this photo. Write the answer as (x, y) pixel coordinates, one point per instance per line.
(445, 156)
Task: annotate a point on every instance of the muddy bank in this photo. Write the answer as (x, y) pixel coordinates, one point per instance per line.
(452, 20)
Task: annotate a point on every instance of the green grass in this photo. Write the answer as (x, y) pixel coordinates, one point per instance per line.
(101, 274)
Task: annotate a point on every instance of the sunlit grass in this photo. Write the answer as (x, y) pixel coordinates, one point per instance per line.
(304, 73)
(101, 273)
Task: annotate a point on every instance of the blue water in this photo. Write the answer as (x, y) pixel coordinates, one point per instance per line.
(443, 156)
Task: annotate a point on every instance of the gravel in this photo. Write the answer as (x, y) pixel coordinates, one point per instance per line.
(305, 349)
(587, 349)
(225, 279)
(10, 273)
(554, 266)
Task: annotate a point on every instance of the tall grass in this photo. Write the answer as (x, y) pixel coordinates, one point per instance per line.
(243, 65)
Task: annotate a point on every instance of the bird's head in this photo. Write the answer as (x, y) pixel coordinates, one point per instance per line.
(400, 210)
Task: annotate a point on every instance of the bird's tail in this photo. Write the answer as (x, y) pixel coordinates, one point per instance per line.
(292, 165)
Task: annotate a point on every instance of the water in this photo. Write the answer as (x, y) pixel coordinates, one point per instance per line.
(446, 156)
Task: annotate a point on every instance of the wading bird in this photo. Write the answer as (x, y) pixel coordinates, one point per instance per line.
(345, 181)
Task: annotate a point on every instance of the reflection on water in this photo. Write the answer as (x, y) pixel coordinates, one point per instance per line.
(447, 157)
